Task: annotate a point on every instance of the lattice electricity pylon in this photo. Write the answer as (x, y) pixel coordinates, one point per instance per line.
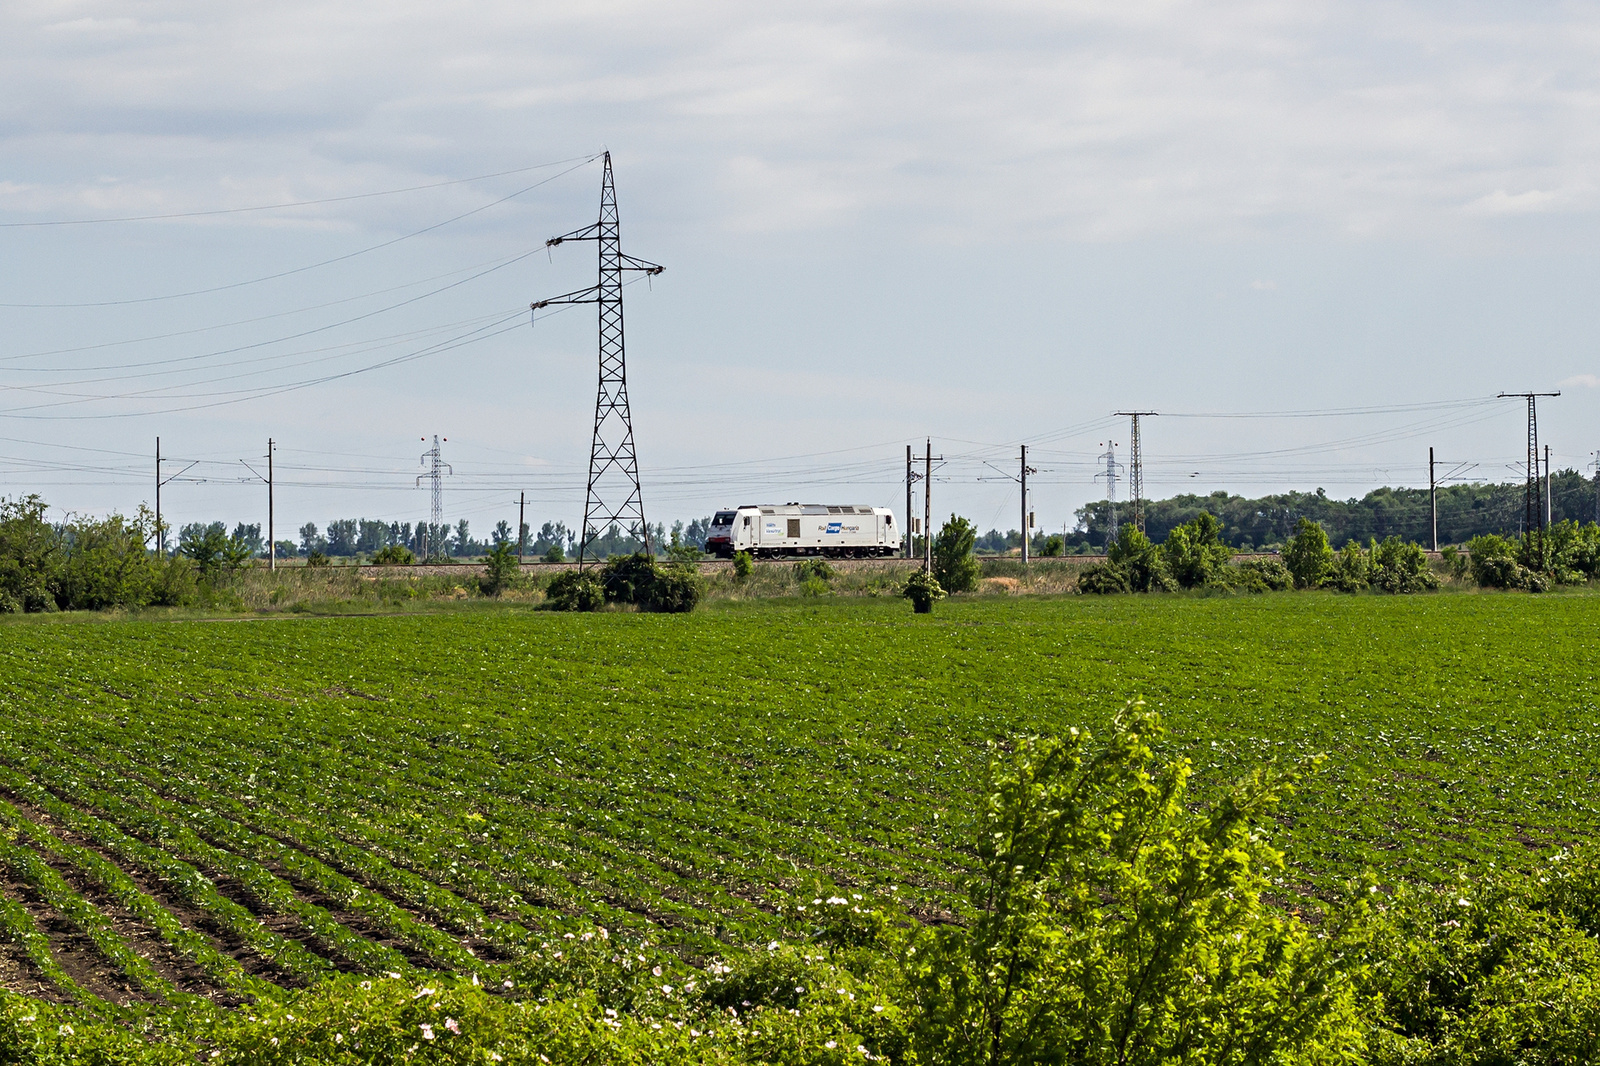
(1111, 476)
(1534, 518)
(613, 466)
(1136, 467)
(436, 472)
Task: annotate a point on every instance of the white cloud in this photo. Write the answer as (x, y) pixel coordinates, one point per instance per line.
(1086, 120)
(1501, 202)
(1586, 381)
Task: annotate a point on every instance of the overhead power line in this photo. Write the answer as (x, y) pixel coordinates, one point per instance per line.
(293, 203)
(310, 266)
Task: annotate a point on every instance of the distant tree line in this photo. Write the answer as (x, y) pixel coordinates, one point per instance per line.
(1465, 511)
(352, 537)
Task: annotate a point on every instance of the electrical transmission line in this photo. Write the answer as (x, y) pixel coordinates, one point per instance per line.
(613, 464)
(434, 459)
(1136, 467)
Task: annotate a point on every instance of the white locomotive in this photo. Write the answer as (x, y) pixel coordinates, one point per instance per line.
(768, 530)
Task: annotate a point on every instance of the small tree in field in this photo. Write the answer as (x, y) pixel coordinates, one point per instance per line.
(1308, 555)
(953, 565)
(499, 569)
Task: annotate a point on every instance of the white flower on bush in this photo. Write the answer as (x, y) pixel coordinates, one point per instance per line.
(427, 1031)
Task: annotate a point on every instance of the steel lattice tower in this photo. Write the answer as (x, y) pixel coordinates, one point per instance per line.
(1136, 467)
(1110, 457)
(433, 458)
(613, 465)
(1534, 518)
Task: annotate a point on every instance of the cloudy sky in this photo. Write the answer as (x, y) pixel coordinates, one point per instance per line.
(1345, 227)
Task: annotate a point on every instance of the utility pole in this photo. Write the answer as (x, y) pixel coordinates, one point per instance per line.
(522, 525)
(1433, 503)
(1533, 514)
(272, 543)
(927, 506)
(436, 474)
(1597, 487)
(911, 476)
(1547, 507)
(1136, 466)
(161, 530)
(272, 532)
(1027, 516)
(613, 463)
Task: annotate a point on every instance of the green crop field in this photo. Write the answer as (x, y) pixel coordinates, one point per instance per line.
(204, 810)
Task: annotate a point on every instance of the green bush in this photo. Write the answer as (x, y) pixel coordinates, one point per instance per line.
(554, 554)
(1494, 564)
(1103, 579)
(316, 558)
(922, 588)
(1491, 971)
(954, 566)
(1054, 545)
(627, 578)
(1194, 553)
(1115, 923)
(1308, 556)
(816, 568)
(1350, 569)
(500, 569)
(1396, 566)
(673, 590)
(1140, 560)
(575, 590)
(393, 555)
(1259, 575)
(743, 565)
(84, 563)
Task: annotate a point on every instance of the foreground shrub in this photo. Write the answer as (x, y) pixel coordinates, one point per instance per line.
(627, 578)
(500, 569)
(1350, 570)
(1114, 924)
(673, 590)
(1140, 560)
(1103, 579)
(575, 590)
(1194, 553)
(954, 566)
(1497, 972)
(922, 588)
(393, 555)
(1495, 565)
(743, 565)
(639, 580)
(1259, 575)
(85, 563)
(1308, 556)
(1396, 566)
